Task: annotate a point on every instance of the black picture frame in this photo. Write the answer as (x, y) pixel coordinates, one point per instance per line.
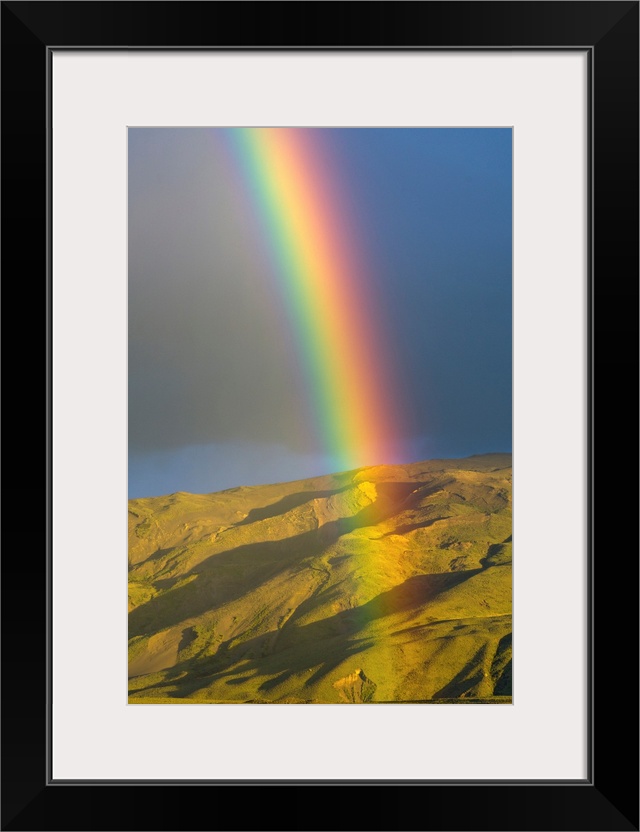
(608, 798)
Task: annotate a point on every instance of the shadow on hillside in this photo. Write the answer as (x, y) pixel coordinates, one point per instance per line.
(473, 673)
(286, 504)
(319, 646)
(226, 576)
(469, 677)
(161, 553)
(494, 553)
(409, 595)
(501, 670)
(411, 527)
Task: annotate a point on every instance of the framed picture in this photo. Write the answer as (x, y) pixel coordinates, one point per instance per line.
(103, 83)
(320, 335)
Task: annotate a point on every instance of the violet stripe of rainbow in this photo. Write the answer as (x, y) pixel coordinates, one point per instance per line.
(324, 287)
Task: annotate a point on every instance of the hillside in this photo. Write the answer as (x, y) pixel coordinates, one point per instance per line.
(385, 584)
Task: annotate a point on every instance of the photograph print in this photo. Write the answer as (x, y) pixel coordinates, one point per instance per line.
(319, 415)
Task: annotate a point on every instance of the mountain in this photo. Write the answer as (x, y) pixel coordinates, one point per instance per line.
(383, 584)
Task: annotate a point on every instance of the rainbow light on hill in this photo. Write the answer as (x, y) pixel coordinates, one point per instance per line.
(294, 189)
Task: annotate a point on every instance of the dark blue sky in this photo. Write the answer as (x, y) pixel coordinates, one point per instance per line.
(211, 399)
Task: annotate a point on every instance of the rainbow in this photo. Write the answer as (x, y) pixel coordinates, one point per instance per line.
(302, 210)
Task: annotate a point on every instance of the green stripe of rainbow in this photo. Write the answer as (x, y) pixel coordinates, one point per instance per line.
(294, 189)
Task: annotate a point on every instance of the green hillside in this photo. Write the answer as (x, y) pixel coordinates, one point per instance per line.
(385, 584)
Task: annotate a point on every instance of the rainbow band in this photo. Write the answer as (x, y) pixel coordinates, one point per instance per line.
(293, 186)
